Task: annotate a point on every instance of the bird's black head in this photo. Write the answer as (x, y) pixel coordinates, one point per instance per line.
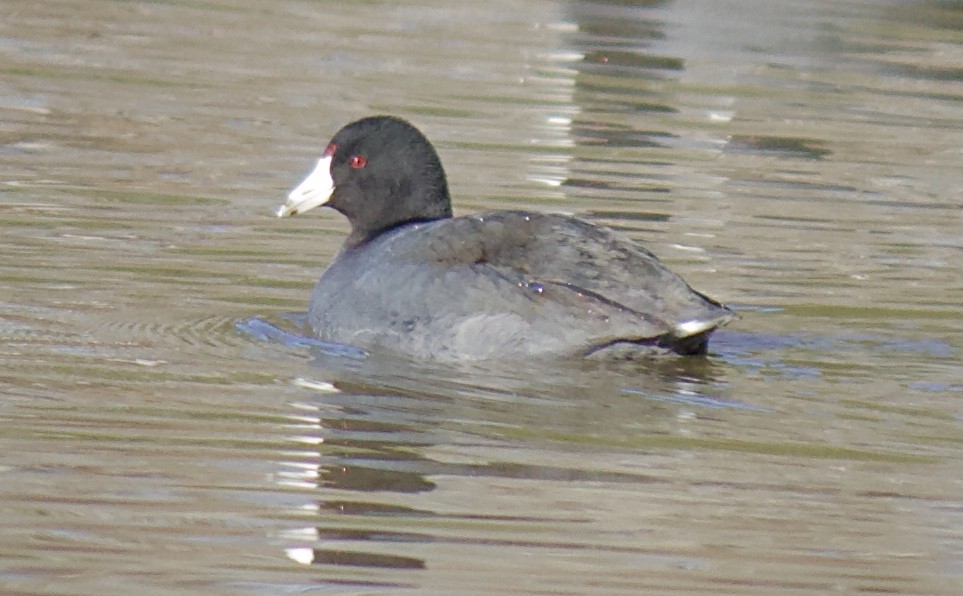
(380, 172)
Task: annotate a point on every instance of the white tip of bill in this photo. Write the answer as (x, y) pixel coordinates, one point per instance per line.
(314, 190)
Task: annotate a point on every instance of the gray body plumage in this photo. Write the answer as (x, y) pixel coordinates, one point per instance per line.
(509, 284)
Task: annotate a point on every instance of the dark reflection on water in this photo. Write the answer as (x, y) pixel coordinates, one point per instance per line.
(784, 147)
(169, 426)
(340, 557)
(617, 74)
(379, 422)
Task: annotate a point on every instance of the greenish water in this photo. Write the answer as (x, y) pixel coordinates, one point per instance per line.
(164, 428)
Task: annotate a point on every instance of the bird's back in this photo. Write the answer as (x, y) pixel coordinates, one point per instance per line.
(508, 284)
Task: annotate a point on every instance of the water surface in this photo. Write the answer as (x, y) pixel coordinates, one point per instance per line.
(165, 430)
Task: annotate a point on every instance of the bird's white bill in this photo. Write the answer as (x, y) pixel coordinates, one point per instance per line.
(314, 191)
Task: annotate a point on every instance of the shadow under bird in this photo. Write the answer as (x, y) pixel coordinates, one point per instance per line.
(505, 284)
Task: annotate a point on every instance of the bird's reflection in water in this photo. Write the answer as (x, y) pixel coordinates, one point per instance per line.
(382, 432)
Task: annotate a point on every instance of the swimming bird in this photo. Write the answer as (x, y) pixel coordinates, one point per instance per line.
(412, 278)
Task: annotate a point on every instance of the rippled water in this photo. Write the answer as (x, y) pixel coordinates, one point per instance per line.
(166, 427)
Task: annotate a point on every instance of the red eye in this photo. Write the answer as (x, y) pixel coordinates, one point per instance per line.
(329, 150)
(357, 161)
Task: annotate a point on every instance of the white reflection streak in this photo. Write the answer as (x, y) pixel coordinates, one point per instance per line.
(301, 468)
(555, 82)
(305, 556)
(301, 554)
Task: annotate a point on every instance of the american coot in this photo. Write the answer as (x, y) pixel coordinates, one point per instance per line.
(504, 284)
